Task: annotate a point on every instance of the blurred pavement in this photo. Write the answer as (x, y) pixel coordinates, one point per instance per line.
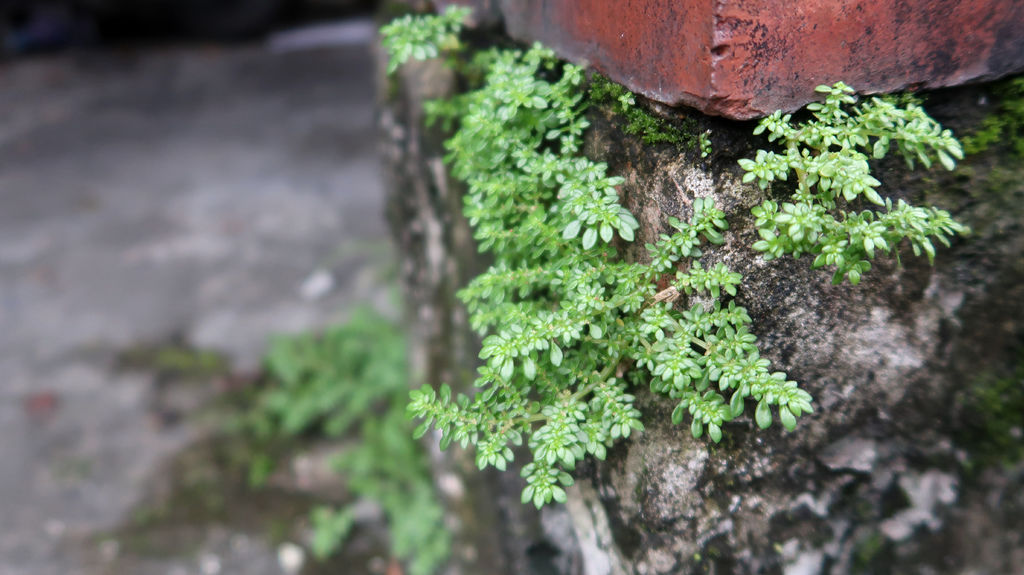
(148, 194)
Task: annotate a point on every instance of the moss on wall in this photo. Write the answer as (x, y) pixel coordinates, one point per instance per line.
(1005, 126)
(652, 130)
(993, 431)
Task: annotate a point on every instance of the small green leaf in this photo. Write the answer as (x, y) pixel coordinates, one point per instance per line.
(880, 148)
(589, 238)
(736, 404)
(507, 369)
(763, 415)
(556, 355)
(527, 494)
(787, 418)
(946, 161)
(714, 432)
(529, 368)
(678, 414)
(873, 197)
(558, 494)
(572, 230)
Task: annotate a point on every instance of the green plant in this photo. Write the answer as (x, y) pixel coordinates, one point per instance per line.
(327, 382)
(422, 37)
(829, 157)
(704, 141)
(352, 378)
(330, 528)
(569, 326)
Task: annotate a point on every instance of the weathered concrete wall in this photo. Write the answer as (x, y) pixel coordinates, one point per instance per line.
(886, 476)
(493, 532)
(879, 479)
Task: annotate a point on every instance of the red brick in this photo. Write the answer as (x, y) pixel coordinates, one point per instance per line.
(747, 58)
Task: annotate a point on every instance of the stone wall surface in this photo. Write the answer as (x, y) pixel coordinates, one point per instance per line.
(893, 473)
(493, 532)
(747, 58)
(885, 476)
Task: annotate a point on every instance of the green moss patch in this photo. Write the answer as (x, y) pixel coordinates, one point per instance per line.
(175, 359)
(652, 129)
(1004, 127)
(994, 409)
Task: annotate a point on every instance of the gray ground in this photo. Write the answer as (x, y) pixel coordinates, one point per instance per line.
(147, 194)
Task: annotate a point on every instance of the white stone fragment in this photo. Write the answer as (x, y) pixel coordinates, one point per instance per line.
(317, 285)
(851, 453)
(807, 563)
(209, 564)
(291, 558)
(925, 492)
